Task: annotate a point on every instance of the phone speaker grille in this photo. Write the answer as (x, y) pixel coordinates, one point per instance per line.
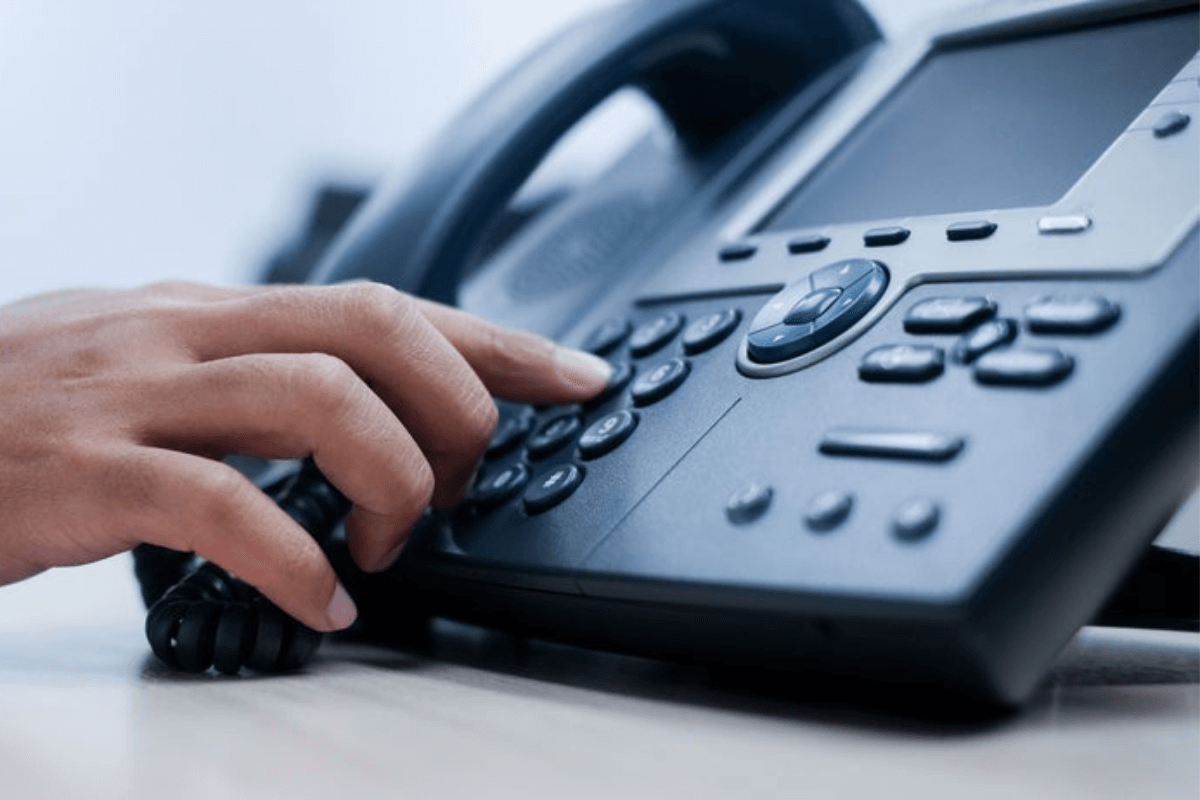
(582, 249)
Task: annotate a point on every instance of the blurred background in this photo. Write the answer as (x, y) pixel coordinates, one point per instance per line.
(145, 140)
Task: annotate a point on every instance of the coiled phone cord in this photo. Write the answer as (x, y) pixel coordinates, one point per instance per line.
(200, 616)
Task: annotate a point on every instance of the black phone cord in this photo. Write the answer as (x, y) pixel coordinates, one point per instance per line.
(200, 616)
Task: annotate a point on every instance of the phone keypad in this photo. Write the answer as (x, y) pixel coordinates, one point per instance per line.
(527, 438)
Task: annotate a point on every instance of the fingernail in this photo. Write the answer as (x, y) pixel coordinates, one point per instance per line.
(581, 370)
(341, 612)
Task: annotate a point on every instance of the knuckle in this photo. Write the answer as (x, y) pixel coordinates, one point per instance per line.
(384, 309)
(325, 382)
(223, 496)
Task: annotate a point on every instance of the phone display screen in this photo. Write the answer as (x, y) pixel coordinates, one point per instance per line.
(1007, 124)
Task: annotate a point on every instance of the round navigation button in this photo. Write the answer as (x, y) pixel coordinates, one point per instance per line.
(812, 305)
(815, 310)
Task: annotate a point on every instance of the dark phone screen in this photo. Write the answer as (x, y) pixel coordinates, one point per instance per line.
(1002, 125)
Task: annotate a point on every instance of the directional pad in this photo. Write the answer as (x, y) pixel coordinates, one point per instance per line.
(815, 310)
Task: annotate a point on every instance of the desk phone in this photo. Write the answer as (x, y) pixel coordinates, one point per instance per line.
(904, 336)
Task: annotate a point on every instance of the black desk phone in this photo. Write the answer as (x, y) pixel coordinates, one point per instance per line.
(905, 336)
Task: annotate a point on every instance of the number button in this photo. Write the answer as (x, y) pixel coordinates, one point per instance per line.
(492, 490)
(552, 488)
(555, 433)
(710, 330)
(653, 335)
(659, 382)
(607, 433)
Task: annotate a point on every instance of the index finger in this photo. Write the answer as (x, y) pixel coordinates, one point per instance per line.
(518, 365)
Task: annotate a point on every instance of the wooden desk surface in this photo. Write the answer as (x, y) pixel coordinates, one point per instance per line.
(85, 711)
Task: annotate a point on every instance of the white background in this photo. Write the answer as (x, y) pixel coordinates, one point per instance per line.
(143, 140)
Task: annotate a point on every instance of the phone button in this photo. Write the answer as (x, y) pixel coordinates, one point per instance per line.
(659, 382)
(970, 230)
(948, 314)
(493, 489)
(553, 434)
(807, 243)
(515, 425)
(710, 330)
(902, 363)
(1170, 124)
(1070, 314)
(607, 433)
(983, 338)
(920, 445)
(652, 335)
(840, 295)
(886, 237)
(1023, 367)
(621, 376)
(739, 251)
(552, 488)
(748, 503)
(607, 336)
(828, 510)
(811, 306)
(915, 519)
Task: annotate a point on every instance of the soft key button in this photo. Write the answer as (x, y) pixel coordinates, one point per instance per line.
(1064, 224)
(815, 310)
(1170, 123)
(886, 237)
(970, 230)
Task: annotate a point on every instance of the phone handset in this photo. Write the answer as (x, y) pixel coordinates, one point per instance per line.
(710, 65)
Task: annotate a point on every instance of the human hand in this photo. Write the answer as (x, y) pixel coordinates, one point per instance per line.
(116, 406)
